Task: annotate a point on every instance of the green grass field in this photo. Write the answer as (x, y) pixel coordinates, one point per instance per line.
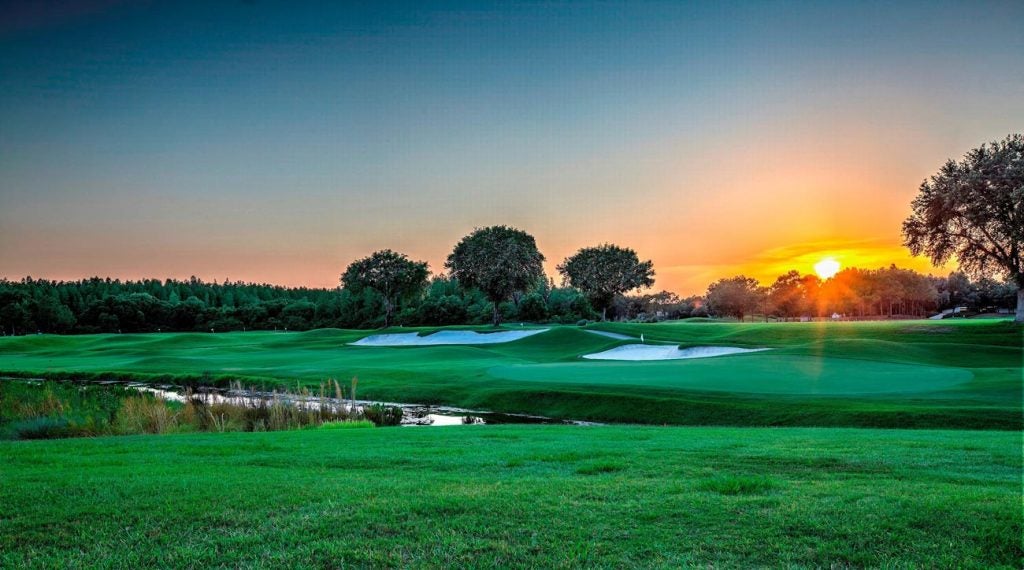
(516, 496)
(549, 496)
(926, 374)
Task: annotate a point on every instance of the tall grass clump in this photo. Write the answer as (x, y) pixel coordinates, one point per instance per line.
(347, 424)
(145, 414)
(52, 410)
(382, 415)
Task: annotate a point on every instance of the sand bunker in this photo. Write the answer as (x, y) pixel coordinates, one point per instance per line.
(652, 352)
(445, 337)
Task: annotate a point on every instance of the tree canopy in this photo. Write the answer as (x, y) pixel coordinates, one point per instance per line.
(390, 274)
(498, 260)
(973, 210)
(735, 296)
(604, 271)
(789, 294)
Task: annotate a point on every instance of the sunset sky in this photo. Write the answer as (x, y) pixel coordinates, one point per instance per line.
(268, 142)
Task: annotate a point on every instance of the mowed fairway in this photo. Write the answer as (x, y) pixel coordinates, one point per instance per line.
(516, 496)
(928, 374)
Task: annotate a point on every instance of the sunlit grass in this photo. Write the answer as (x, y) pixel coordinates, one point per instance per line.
(516, 496)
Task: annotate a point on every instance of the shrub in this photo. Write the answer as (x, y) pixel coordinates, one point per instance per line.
(41, 428)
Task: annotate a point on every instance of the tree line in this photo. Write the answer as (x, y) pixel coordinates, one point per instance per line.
(98, 305)
(971, 210)
(854, 293)
(493, 274)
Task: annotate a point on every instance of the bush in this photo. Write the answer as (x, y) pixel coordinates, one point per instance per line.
(533, 308)
(41, 428)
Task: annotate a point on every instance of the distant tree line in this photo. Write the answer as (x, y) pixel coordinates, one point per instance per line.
(111, 305)
(855, 293)
(493, 274)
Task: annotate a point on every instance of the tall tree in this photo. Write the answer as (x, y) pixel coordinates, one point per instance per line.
(604, 271)
(974, 210)
(736, 296)
(499, 261)
(392, 275)
(787, 295)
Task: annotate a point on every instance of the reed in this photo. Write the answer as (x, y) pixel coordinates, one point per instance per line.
(52, 410)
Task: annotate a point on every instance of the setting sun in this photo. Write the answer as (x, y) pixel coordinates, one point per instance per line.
(826, 267)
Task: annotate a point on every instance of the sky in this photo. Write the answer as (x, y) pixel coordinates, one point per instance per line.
(277, 141)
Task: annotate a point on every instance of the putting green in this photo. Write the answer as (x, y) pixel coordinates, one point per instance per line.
(753, 373)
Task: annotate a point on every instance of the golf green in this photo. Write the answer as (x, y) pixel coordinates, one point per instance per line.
(963, 374)
(758, 373)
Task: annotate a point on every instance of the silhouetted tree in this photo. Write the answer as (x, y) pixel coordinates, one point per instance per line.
(735, 296)
(604, 271)
(974, 210)
(499, 261)
(787, 295)
(392, 275)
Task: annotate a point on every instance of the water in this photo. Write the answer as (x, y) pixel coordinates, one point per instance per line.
(412, 414)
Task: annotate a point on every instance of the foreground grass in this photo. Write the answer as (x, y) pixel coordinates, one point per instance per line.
(516, 496)
(917, 374)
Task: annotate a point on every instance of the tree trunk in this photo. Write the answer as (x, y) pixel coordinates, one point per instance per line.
(1020, 306)
(604, 313)
(496, 315)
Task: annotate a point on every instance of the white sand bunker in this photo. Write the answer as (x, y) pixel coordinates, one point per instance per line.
(445, 337)
(654, 352)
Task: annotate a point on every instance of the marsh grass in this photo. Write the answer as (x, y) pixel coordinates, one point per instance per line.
(55, 410)
(382, 415)
(146, 414)
(347, 424)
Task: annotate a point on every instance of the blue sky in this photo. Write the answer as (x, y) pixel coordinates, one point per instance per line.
(260, 140)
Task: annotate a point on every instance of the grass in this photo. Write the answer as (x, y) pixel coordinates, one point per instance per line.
(918, 374)
(347, 424)
(537, 496)
(516, 496)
